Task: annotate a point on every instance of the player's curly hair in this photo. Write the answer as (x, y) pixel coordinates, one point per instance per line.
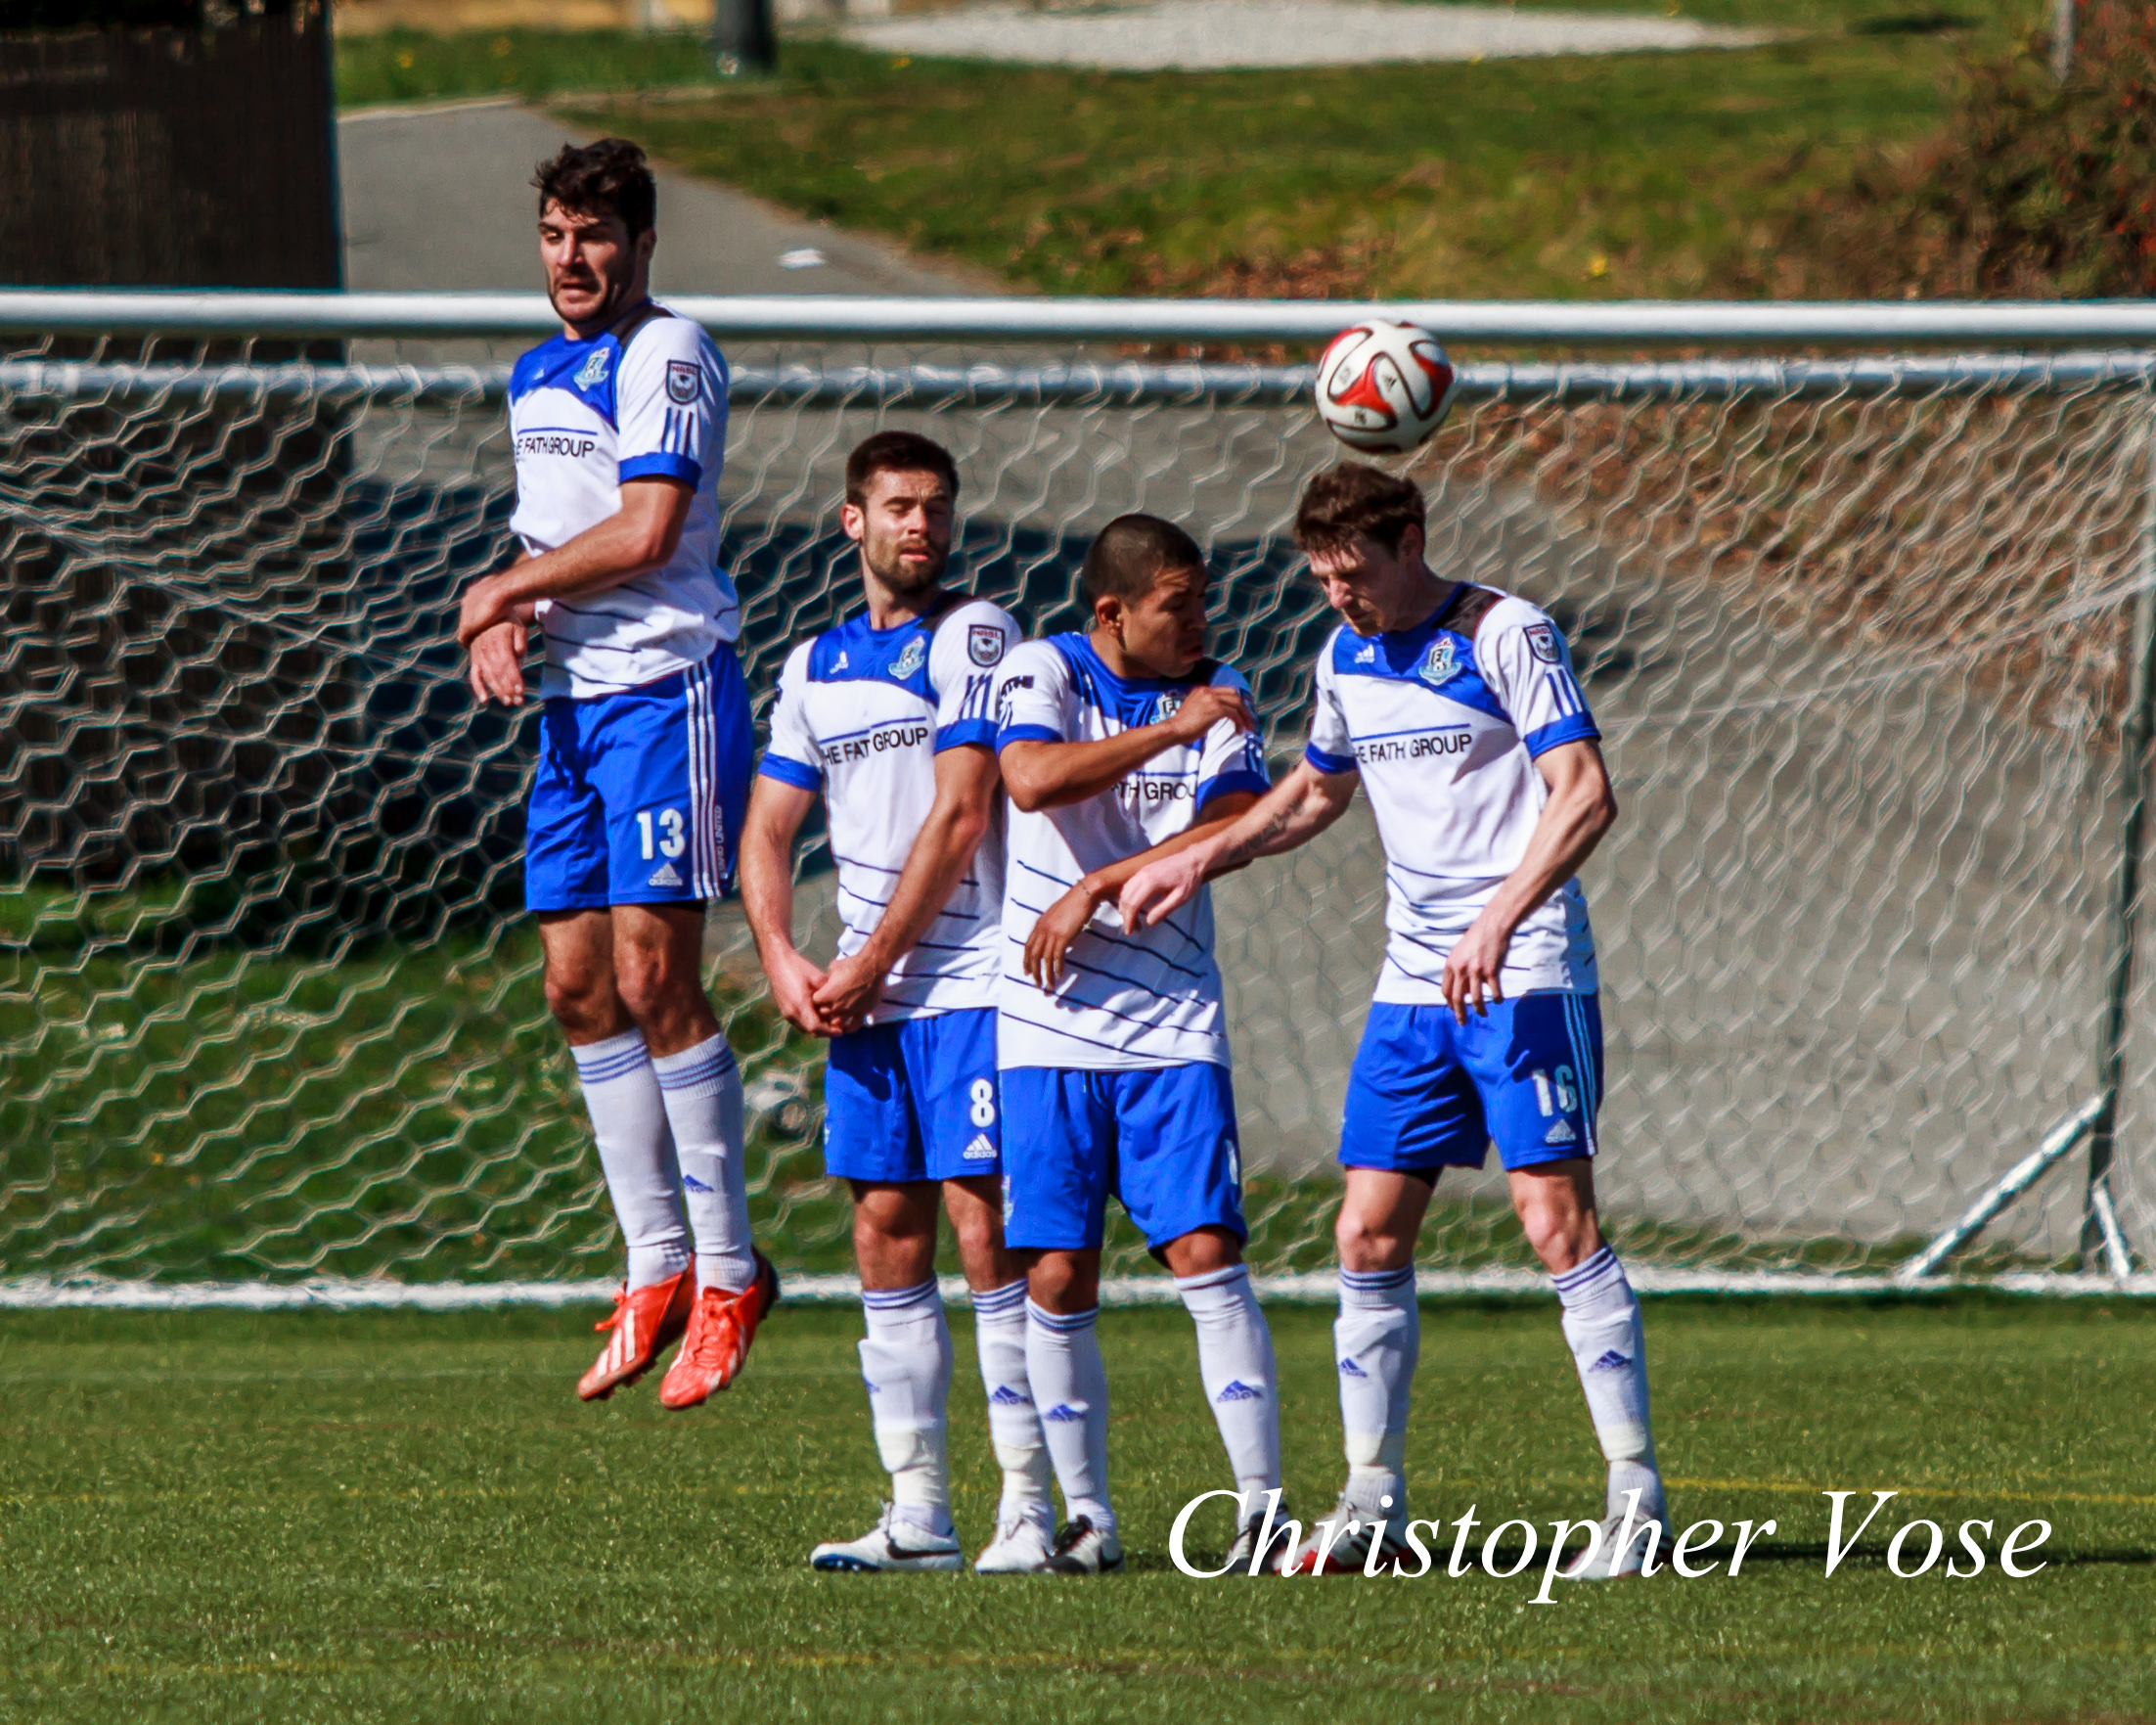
(1352, 500)
(1133, 552)
(608, 177)
(897, 452)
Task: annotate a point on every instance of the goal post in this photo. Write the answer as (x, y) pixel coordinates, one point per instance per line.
(1872, 639)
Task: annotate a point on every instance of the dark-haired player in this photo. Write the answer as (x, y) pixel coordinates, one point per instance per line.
(1120, 746)
(618, 426)
(1455, 707)
(888, 718)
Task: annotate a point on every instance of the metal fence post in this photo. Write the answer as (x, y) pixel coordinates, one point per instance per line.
(2100, 1230)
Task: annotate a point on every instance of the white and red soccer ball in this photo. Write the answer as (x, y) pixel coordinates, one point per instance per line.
(1384, 387)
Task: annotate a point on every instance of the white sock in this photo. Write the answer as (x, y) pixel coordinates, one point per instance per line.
(906, 1362)
(1601, 1323)
(1014, 1422)
(637, 1152)
(1376, 1342)
(1234, 1362)
(1070, 1388)
(703, 1090)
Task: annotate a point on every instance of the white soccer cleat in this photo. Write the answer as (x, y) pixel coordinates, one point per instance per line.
(1245, 1547)
(1082, 1549)
(1604, 1562)
(1022, 1546)
(885, 1547)
(1348, 1554)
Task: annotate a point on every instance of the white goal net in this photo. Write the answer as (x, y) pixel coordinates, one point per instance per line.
(1859, 636)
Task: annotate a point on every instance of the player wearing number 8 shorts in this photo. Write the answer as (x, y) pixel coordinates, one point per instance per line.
(618, 426)
(887, 719)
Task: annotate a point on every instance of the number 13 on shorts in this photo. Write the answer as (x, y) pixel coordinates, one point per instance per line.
(662, 832)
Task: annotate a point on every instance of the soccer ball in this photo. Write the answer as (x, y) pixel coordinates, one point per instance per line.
(1383, 387)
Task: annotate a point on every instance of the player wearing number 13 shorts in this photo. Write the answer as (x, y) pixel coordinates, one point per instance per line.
(618, 426)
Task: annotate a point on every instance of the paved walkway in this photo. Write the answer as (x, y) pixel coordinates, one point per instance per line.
(440, 198)
(1208, 35)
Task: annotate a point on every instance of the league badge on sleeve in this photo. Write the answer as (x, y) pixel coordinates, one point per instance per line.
(684, 382)
(984, 643)
(1541, 642)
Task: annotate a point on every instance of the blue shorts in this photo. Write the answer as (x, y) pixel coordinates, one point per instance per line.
(1428, 1092)
(1162, 1139)
(640, 795)
(913, 1101)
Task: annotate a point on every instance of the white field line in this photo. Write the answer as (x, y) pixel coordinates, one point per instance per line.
(1317, 1288)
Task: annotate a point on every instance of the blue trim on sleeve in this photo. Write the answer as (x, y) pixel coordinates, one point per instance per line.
(1011, 734)
(789, 771)
(973, 733)
(1328, 764)
(1228, 783)
(1575, 727)
(661, 465)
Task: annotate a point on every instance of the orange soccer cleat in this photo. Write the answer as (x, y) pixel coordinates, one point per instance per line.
(644, 1320)
(720, 1329)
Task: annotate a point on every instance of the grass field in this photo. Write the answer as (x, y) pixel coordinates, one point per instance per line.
(1597, 178)
(396, 1516)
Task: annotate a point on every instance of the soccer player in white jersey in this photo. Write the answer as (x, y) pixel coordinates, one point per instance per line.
(1119, 745)
(890, 718)
(618, 426)
(1456, 708)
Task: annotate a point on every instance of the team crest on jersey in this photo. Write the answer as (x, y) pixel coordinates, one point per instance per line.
(984, 643)
(1541, 642)
(910, 659)
(593, 372)
(1439, 664)
(684, 382)
(1166, 707)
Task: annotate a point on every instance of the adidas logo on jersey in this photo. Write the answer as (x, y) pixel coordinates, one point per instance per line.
(1349, 1369)
(840, 663)
(1559, 1133)
(980, 1150)
(1612, 1361)
(1367, 656)
(666, 874)
(1063, 1413)
(1008, 1397)
(1238, 1391)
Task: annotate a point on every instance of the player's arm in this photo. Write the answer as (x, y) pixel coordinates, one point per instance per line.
(496, 656)
(1061, 925)
(1582, 808)
(1293, 812)
(638, 537)
(1041, 774)
(965, 802)
(776, 811)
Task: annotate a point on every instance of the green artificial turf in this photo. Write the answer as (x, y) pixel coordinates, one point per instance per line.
(317, 1516)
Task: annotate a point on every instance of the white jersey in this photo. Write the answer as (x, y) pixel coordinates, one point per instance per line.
(583, 418)
(1444, 723)
(1151, 999)
(862, 714)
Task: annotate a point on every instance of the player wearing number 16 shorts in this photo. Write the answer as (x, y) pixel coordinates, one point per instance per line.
(1455, 707)
(618, 426)
(887, 719)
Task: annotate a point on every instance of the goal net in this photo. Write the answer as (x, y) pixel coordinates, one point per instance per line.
(1858, 635)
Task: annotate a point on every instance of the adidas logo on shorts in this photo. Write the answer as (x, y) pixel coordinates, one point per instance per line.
(1559, 1133)
(1238, 1391)
(666, 874)
(980, 1150)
